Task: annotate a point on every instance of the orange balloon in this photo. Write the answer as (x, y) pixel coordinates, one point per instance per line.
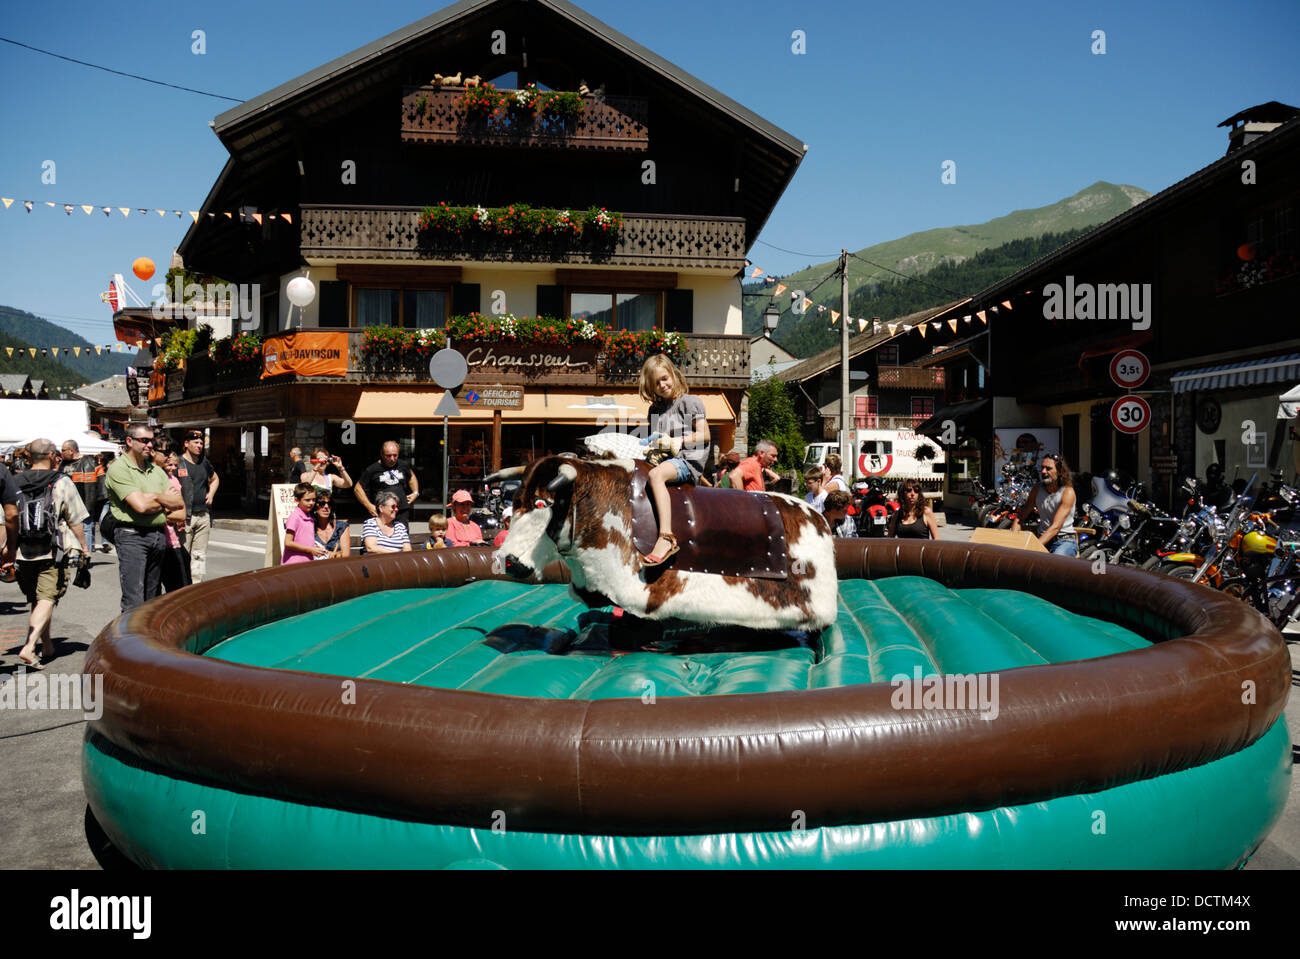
(143, 268)
(1246, 251)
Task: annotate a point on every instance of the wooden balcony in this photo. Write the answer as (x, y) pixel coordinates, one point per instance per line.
(909, 378)
(391, 233)
(713, 360)
(433, 115)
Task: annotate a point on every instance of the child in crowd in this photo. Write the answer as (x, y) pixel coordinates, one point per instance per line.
(814, 479)
(437, 533)
(836, 510)
(680, 428)
(300, 544)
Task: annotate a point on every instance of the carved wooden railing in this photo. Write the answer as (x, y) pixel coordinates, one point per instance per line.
(909, 377)
(392, 233)
(434, 115)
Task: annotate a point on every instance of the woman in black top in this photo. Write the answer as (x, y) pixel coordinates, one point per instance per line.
(914, 519)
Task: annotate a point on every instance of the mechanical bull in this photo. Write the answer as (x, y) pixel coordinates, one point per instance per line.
(764, 561)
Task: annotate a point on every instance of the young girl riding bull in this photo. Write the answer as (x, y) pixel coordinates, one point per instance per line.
(677, 426)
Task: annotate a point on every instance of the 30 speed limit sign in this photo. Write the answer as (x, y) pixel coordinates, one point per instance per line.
(1129, 369)
(1130, 414)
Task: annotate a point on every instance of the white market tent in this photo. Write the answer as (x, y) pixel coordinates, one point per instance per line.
(22, 421)
(1289, 406)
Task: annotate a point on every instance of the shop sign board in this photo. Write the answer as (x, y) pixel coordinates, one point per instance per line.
(495, 397)
(515, 362)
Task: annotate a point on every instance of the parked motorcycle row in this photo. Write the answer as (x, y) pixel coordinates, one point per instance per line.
(1234, 540)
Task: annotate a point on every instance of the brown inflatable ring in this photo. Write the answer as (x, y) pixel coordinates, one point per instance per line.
(697, 764)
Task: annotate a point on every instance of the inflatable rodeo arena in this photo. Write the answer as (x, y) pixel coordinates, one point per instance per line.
(969, 706)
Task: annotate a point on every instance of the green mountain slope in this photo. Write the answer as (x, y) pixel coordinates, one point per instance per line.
(42, 334)
(918, 253)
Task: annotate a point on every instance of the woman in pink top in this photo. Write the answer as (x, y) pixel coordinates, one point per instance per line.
(300, 544)
(176, 562)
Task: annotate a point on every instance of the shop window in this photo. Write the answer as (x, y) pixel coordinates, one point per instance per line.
(618, 310)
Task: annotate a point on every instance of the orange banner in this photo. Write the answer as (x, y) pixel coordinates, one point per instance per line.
(307, 353)
(157, 387)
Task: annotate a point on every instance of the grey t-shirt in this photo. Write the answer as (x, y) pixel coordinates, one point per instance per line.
(677, 419)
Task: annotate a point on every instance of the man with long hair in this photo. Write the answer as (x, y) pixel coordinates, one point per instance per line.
(1054, 499)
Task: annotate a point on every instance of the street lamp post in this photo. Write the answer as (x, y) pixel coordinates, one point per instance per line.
(771, 316)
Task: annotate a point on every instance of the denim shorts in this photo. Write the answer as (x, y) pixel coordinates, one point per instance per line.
(683, 468)
(1065, 544)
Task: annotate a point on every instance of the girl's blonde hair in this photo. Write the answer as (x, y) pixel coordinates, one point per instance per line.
(651, 369)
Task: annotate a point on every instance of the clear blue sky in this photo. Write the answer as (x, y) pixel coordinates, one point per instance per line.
(883, 96)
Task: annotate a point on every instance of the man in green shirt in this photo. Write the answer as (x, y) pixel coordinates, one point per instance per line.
(140, 497)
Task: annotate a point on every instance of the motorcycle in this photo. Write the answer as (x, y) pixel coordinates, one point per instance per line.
(874, 505)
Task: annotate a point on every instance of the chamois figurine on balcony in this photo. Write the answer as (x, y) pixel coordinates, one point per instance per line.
(452, 81)
(473, 81)
(597, 94)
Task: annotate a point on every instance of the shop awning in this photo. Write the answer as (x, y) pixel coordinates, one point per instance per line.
(1273, 369)
(414, 407)
(960, 413)
(1289, 404)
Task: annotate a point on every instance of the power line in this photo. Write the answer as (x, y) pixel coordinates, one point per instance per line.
(120, 73)
(918, 278)
(815, 256)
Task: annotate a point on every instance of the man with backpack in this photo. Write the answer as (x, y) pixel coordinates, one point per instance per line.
(49, 508)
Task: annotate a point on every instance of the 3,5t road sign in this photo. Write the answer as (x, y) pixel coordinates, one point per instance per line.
(1129, 369)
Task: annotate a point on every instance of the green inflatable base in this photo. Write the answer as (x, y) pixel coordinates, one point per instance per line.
(1210, 817)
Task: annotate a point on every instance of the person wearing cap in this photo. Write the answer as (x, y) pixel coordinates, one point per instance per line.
(461, 530)
(199, 480)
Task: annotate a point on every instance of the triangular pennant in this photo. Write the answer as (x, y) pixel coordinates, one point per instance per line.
(194, 215)
(821, 307)
(953, 324)
(980, 314)
(285, 217)
(28, 205)
(965, 319)
(50, 204)
(99, 351)
(229, 215)
(87, 207)
(921, 327)
(780, 288)
(7, 202)
(141, 210)
(1006, 304)
(862, 324)
(891, 327)
(9, 350)
(107, 210)
(936, 325)
(67, 208)
(160, 212)
(806, 303)
(753, 276)
(834, 317)
(179, 213)
(125, 210)
(76, 351)
(32, 350)
(907, 327)
(258, 218)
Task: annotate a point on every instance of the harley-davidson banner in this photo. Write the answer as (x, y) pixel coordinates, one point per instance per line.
(307, 353)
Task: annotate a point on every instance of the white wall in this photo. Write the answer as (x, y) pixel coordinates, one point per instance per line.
(310, 312)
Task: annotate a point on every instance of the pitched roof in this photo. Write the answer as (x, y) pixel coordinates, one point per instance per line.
(14, 383)
(107, 393)
(862, 343)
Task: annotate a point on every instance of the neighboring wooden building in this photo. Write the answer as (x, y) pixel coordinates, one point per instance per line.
(353, 151)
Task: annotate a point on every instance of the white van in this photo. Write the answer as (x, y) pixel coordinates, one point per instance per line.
(890, 454)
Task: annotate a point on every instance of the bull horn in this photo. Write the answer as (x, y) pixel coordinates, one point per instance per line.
(563, 479)
(509, 472)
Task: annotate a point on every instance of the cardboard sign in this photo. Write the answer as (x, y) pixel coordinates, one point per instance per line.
(307, 353)
(282, 504)
(1005, 537)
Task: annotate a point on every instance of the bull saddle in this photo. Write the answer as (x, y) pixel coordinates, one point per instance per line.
(722, 531)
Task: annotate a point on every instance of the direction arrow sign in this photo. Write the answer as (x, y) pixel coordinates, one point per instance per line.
(1130, 414)
(1129, 369)
(447, 406)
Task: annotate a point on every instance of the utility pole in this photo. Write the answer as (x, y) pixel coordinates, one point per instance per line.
(846, 401)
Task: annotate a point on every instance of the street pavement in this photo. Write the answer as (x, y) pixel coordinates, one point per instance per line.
(40, 787)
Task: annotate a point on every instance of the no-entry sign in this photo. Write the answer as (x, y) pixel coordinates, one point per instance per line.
(1130, 414)
(1129, 369)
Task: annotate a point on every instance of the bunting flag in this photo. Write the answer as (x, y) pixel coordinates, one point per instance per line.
(980, 314)
(993, 309)
(937, 325)
(7, 201)
(769, 280)
(780, 288)
(89, 208)
(953, 324)
(125, 210)
(891, 327)
(821, 307)
(965, 319)
(862, 324)
(834, 317)
(1006, 304)
(9, 350)
(76, 351)
(756, 274)
(28, 205)
(32, 350)
(806, 303)
(875, 328)
(921, 327)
